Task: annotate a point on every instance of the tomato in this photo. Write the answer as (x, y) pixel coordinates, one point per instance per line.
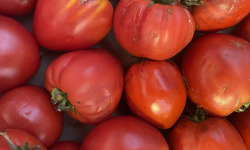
(71, 24)
(243, 28)
(18, 138)
(124, 133)
(66, 145)
(88, 84)
(213, 133)
(156, 92)
(19, 54)
(29, 108)
(16, 7)
(214, 15)
(242, 123)
(216, 68)
(148, 29)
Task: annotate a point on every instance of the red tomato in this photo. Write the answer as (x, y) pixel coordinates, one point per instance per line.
(219, 14)
(242, 123)
(152, 30)
(243, 29)
(29, 108)
(213, 133)
(90, 82)
(66, 145)
(216, 68)
(15, 138)
(71, 24)
(19, 54)
(156, 92)
(16, 7)
(124, 133)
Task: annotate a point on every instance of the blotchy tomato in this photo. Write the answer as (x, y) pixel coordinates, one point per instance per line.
(215, 15)
(213, 133)
(243, 29)
(29, 108)
(16, 7)
(124, 133)
(148, 29)
(242, 123)
(18, 138)
(71, 24)
(19, 54)
(156, 92)
(216, 68)
(66, 145)
(90, 82)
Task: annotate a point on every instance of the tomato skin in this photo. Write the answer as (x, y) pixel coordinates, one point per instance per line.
(216, 68)
(29, 108)
(124, 133)
(243, 29)
(19, 138)
(71, 24)
(214, 15)
(156, 92)
(216, 133)
(242, 124)
(66, 145)
(18, 45)
(16, 7)
(157, 32)
(93, 80)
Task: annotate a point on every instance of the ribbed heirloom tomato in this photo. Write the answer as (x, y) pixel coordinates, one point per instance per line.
(216, 68)
(152, 29)
(88, 84)
(156, 92)
(71, 24)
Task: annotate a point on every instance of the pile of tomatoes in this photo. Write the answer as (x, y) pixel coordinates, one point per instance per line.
(124, 75)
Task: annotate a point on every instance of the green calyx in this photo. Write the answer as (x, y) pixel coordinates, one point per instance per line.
(190, 3)
(60, 99)
(243, 107)
(25, 147)
(199, 115)
(166, 2)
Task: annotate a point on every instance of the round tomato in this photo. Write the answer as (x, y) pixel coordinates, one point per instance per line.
(243, 29)
(124, 133)
(14, 139)
(213, 133)
(156, 92)
(242, 123)
(29, 108)
(216, 68)
(19, 54)
(87, 83)
(66, 145)
(16, 7)
(213, 15)
(71, 24)
(148, 29)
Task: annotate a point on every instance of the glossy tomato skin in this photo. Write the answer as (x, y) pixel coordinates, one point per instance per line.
(242, 124)
(18, 138)
(124, 133)
(71, 24)
(152, 30)
(216, 68)
(214, 15)
(93, 80)
(243, 28)
(16, 7)
(213, 133)
(19, 54)
(156, 92)
(29, 108)
(66, 145)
